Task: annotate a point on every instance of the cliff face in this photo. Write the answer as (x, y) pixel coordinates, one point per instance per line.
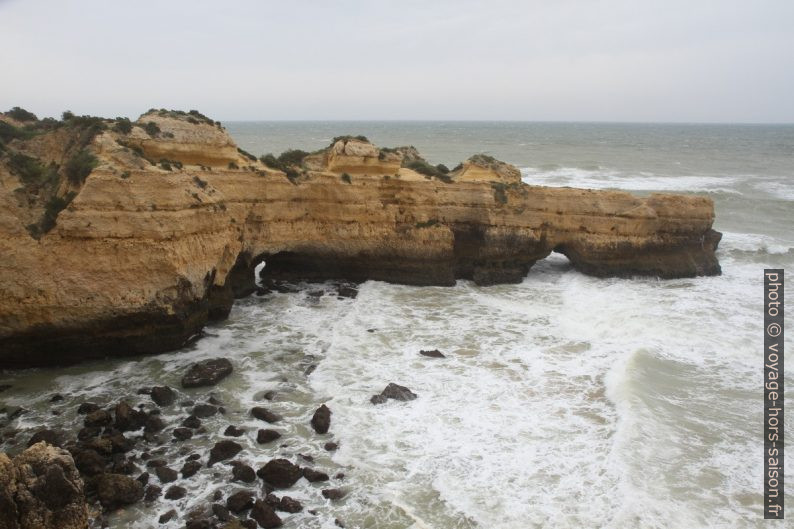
(166, 228)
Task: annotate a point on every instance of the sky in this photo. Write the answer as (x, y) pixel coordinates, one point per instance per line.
(561, 60)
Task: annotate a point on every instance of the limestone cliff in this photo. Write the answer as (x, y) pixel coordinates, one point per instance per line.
(126, 238)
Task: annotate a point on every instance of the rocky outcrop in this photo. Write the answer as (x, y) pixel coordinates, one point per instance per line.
(126, 238)
(41, 489)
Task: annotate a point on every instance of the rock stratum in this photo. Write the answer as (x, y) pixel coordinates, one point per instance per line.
(122, 238)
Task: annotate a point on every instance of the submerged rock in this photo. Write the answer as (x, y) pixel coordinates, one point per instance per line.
(163, 395)
(321, 420)
(207, 373)
(333, 494)
(314, 476)
(264, 414)
(190, 469)
(233, 431)
(435, 353)
(393, 391)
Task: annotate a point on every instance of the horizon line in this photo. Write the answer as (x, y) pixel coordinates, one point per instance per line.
(616, 122)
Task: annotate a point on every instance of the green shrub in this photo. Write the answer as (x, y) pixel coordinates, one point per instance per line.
(168, 165)
(442, 168)
(51, 210)
(346, 178)
(422, 167)
(123, 126)
(292, 157)
(67, 115)
(125, 174)
(20, 114)
(347, 137)
(80, 166)
(499, 192)
(152, 129)
(9, 132)
(427, 224)
(246, 154)
(165, 165)
(31, 171)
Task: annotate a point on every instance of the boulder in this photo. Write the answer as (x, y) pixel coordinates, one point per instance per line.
(167, 517)
(314, 475)
(165, 474)
(321, 420)
(265, 516)
(333, 494)
(127, 418)
(175, 492)
(434, 353)
(117, 490)
(163, 395)
(190, 468)
(240, 501)
(207, 373)
(223, 450)
(41, 489)
(289, 505)
(393, 391)
(51, 437)
(191, 421)
(203, 411)
(280, 473)
(243, 472)
(98, 418)
(233, 431)
(182, 434)
(266, 436)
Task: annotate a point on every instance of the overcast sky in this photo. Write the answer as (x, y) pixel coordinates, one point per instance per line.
(611, 60)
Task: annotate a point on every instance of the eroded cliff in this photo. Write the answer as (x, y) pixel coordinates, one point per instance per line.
(126, 238)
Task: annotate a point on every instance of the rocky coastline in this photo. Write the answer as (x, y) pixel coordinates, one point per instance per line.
(125, 238)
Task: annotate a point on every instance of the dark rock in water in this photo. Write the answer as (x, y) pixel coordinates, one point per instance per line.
(153, 424)
(267, 436)
(143, 478)
(263, 414)
(269, 395)
(321, 420)
(331, 446)
(56, 398)
(207, 373)
(233, 431)
(314, 475)
(223, 450)
(154, 463)
(221, 512)
(127, 418)
(119, 443)
(346, 291)
(265, 516)
(315, 293)
(272, 500)
(89, 462)
(175, 492)
(339, 523)
(435, 353)
(193, 457)
(152, 493)
(124, 466)
(87, 407)
(280, 473)
(217, 495)
(190, 468)
(243, 472)
(198, 524)
(186, 403)
(116, 490)
(163, 395)
(191, 421)
(309, 370)
(333, 494)
(339, 475)
(98, 418)
(203, 411)
(182, 434)
(53, 437)
(240, 501)
(248, 524)
(215, 400)
(393, 391)
(307, 457)
(165, 474)
(167, 517)
(84, 434)
(370, 330)
(290, 505)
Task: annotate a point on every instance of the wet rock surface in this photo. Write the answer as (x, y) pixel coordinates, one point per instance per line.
(207, 373)
(393, 391)
(280, 473)
(321, 420)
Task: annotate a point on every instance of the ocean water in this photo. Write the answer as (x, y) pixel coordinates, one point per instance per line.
(565, 401)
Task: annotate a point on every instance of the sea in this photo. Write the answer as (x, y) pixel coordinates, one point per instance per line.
(565, 401)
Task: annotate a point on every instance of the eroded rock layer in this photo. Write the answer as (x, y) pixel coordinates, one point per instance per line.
(162, 223)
